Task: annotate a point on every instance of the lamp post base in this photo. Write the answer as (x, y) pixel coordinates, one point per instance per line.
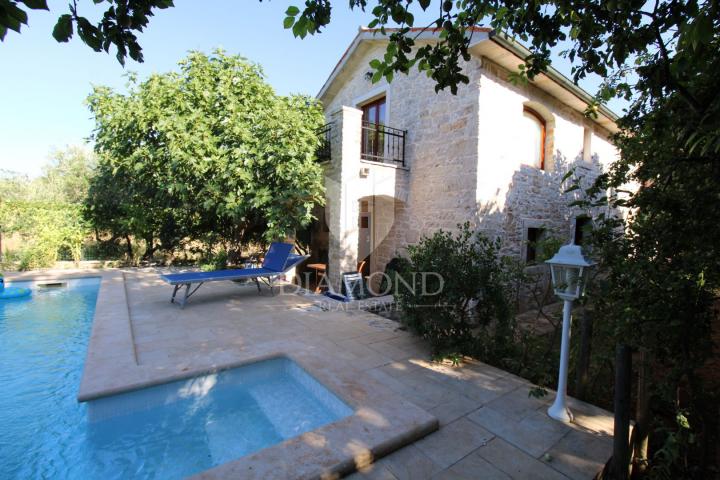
(560, 412)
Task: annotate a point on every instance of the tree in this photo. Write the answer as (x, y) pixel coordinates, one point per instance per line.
(66, 178)
(118, 25)
(209, 153)
(660, 275)
(46, 211)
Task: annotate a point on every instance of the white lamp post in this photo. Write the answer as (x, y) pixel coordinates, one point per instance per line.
(569, 271)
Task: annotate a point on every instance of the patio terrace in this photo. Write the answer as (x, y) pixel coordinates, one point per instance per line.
(488, 425)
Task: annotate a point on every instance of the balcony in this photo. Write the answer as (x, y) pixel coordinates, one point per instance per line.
(323, 150)
(383, 144)
(378, 143)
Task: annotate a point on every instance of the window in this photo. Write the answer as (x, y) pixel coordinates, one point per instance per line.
(535, 236)
(582, 229)
(373, 138)
(374, 112)
(534, 129)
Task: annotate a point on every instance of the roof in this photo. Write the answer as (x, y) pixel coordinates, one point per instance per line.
(497, 47)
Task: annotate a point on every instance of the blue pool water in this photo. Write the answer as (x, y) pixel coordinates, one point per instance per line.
(166, 431)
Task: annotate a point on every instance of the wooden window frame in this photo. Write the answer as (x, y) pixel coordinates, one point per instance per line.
(543, 123)
(374, 103)
(376, 134)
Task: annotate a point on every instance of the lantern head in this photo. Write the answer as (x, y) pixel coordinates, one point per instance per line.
(569, 270)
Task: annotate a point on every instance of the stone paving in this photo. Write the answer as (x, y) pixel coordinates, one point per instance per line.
(489, 426)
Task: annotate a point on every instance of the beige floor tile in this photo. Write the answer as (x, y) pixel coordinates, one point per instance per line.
(580, 455)
(535, 433)
(454, 441)
(472, 467)
(374, 471)
(409, 463)
(452, 407)
(517, 404)
(516, 463)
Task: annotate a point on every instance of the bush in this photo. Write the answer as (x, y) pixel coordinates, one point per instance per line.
(38, 255)
(111, 249)
(456, 293)
(215, 261)
(394, 267)
(46, 228)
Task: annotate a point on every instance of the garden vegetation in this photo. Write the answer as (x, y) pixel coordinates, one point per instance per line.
(191, 165)
(209, 156)
(44, 216)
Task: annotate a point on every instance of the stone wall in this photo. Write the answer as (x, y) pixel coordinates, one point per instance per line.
(464, 159)
(513, 195)
(441, 154)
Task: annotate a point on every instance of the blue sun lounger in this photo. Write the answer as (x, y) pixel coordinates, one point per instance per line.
(278, 261)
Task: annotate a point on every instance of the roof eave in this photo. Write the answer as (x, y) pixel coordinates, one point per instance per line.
(341, 63)
(522, 52)
(606, 117)
(365, 34)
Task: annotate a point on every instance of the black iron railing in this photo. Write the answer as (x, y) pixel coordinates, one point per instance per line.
(323, 151)
(381, 143)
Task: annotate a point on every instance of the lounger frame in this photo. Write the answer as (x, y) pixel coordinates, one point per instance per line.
(263, 275)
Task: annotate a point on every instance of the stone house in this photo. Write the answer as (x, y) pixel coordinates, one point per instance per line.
(402, 161)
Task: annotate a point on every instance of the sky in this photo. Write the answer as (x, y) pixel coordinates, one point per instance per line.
(43, 84)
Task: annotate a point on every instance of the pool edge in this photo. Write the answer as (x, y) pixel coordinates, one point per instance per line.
(382, 421)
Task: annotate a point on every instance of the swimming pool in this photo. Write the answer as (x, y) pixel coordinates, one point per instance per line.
(42, 349)
(165, 431)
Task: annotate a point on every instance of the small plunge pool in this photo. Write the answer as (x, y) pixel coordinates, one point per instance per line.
(167, 431)
(184, 427)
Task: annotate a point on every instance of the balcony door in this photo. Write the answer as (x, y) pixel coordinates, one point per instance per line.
(373, 137)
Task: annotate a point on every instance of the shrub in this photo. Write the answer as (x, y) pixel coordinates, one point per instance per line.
(110, 249)
(215, 261)
(394, 267)
(455, 293)
(45, 228)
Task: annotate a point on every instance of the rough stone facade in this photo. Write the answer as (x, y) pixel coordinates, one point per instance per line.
(463, 162)
(512, 195)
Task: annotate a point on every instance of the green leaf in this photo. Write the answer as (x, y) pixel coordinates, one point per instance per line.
(36, 4)
(63, 30)
(12, 23)
(89, 34)
(13, 12)
(288, 22)
(572, 188)
(409, 19)
(567, 175)
(300, 28)
(292, 11)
